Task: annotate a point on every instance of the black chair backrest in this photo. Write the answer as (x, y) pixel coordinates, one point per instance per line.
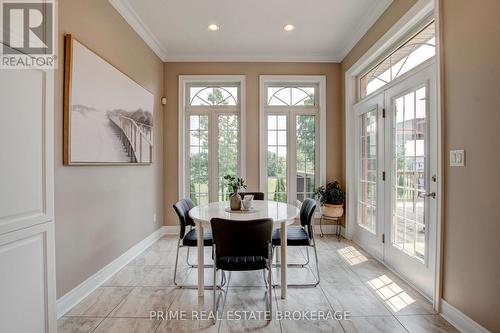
(256, 195)
(241, 238)
(182, 208)
(307, 214)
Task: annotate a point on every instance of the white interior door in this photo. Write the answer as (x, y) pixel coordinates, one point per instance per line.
(370, 166)
(411, 183)
(27, 271)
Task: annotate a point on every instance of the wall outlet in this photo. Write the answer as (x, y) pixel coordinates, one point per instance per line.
(457, 158)
(154, 217)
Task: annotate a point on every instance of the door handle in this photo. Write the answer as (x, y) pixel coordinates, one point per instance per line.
(428, 195)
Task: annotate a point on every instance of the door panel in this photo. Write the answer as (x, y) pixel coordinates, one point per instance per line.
(411, 162)
(370, 165)
(27, 272)
(26, 127)
(27, 288)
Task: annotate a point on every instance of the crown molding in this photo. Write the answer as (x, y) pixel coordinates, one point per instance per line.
(364, 26)
(125, 10)
(252, 58)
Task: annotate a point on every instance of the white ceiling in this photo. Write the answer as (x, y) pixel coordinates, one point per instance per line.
(325, 30)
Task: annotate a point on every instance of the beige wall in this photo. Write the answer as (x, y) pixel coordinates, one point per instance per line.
(103, 211)
(252, 71)
(471, 121)
(471, 42)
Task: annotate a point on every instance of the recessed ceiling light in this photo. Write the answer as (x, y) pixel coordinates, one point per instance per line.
(213, 27)
(289, 27)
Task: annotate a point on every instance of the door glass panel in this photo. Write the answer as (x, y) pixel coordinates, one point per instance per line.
(277, 143)
(410, 131)
(227, 152)
(306, 156)
(198, 159)
(367, 203)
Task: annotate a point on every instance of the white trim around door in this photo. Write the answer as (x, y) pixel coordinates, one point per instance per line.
(419, 12)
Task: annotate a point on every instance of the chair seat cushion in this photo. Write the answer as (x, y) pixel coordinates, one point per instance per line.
(191, 238)
(296, 236)
(241, 263)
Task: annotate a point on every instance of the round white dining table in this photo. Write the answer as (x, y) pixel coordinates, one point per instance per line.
(282, 214)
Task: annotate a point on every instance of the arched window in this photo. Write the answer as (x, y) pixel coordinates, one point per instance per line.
(213, 140)
(290, 146)
(213, 96)
(291, 96)
(419, 48)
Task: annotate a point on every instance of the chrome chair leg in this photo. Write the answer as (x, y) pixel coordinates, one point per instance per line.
(307, 255)
(314, 284)
(193, 266)
(214, 287)
(303, 264)
(293, 264)
(187, 259)
(317, 262)
(269, 283)
(176, 261)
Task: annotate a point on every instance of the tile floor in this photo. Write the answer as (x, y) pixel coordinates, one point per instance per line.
(377, 300)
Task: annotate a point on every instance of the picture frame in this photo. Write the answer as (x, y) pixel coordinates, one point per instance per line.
(108, 117)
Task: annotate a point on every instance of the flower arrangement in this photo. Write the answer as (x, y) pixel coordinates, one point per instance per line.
(235, 183)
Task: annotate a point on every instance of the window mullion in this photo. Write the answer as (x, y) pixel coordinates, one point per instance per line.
(317, 146)
(213, 153)
(292, 158)
(187, 166)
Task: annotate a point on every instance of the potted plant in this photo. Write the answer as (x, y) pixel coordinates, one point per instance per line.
(331, 198)
(235, 183)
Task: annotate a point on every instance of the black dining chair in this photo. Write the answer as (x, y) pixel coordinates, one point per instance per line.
(242, 246)
(256, 195)
(187, 239)
(302, 235)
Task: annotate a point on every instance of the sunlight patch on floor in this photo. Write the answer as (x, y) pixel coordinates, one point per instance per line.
(352, 256)
(392, 294)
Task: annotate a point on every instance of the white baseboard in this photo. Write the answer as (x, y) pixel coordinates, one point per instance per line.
(73, 297)
(328, 229)
(458, 319)
(170, 230)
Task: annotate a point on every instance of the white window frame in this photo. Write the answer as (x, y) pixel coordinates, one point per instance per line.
(407, 36)
(186, 81)
(319, 109)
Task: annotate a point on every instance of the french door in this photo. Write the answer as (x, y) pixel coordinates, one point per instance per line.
(370, 162)
(411, 185)
(397, 177)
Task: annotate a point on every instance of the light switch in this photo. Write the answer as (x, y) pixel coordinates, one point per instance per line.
(457, 158)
